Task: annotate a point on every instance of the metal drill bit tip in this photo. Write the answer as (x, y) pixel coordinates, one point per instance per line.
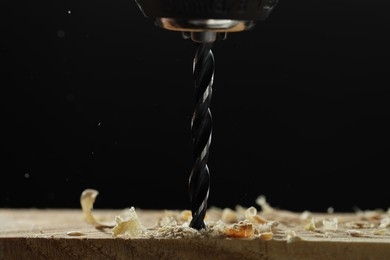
(201, 126)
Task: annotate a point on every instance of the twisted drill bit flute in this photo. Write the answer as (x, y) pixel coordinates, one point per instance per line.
(201, 125)
(204, 22)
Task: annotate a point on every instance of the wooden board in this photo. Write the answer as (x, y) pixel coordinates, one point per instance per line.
(44, 234)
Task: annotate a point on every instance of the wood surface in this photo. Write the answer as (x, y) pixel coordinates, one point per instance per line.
(64, 234)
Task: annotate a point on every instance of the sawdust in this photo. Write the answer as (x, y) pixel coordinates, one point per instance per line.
(267, 223)
(239, 223)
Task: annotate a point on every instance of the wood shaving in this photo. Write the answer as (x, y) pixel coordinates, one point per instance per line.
(240, 212)
(251, 215)
(359, 224)
(229, 216)
(87, 200)
(129, 225)
(176, 224)
(379, 232)
(370, 214)
(311, 226)
(75, 233)
(167, 221)
(186, 216)
(262, 202)
(242, 223)
(242, 229)
(355, 233)
(385, 222)
(266, 236)
(330, 210)
(305, 215)
(292, 236)
(330, 224)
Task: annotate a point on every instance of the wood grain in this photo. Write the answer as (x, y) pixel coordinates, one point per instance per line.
(44, 234)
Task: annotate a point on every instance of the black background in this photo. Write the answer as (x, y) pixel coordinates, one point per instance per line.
(93, 95)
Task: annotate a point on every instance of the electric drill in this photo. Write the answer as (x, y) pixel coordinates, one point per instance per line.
(204, 22)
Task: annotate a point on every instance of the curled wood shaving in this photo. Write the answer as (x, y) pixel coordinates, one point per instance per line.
(262, 202)
(251, 215)
(87, 200)
(246, 223)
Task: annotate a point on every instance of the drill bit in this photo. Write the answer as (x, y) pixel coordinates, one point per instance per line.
(201, 128)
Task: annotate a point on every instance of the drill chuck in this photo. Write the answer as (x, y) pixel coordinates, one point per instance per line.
(206, 15)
